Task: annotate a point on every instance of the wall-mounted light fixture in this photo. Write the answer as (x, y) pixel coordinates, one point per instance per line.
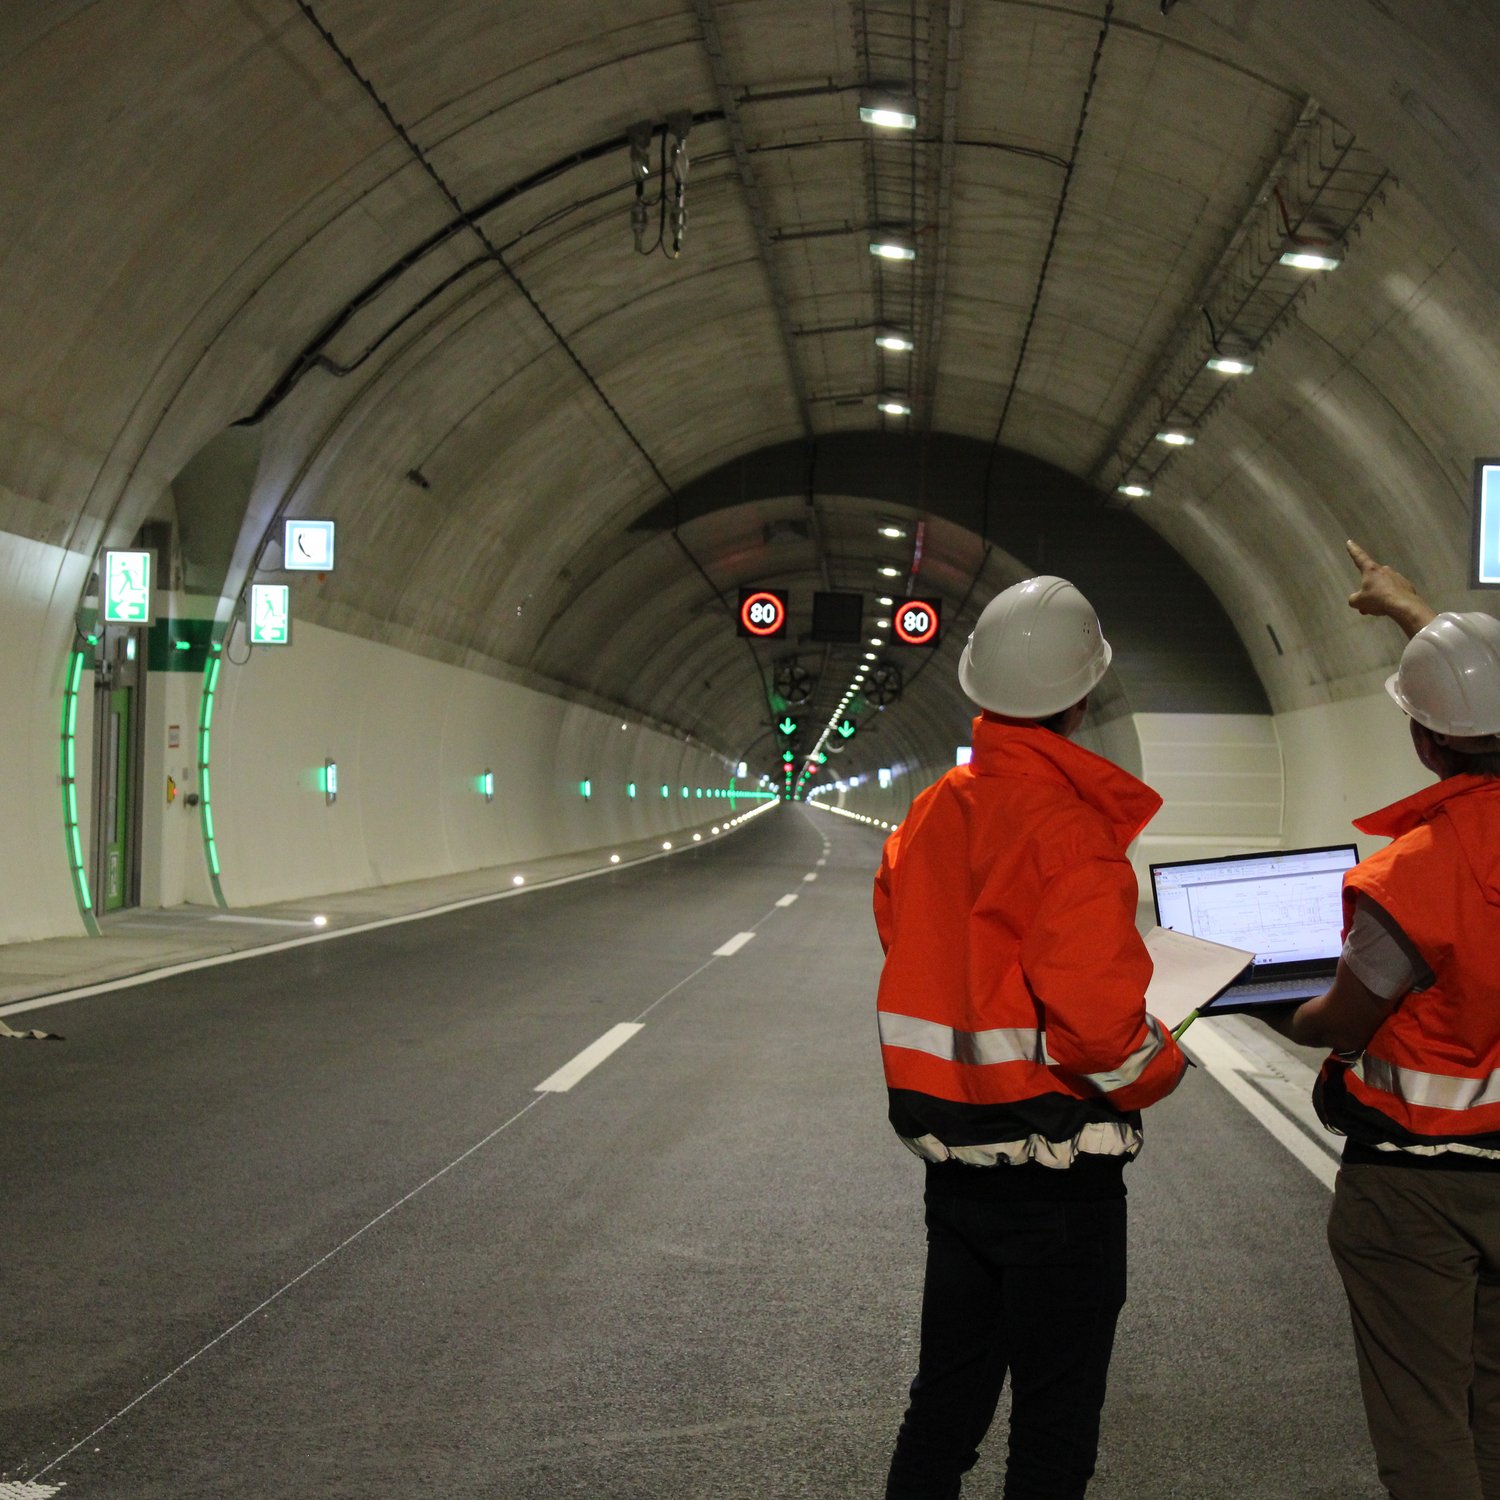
(1135, 491)
(487, 786)
(1176, 437)
(330, 782)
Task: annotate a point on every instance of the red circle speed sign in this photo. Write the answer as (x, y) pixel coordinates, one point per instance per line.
(763, 612)
(916, 621)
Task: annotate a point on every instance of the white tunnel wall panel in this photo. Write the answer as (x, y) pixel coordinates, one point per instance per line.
(1343, 760)
(172, 867)
(411, 738)
(38, 587)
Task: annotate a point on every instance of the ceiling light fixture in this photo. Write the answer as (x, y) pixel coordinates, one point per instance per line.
(894, 532)
(897, 343)
(887, 110)
(1306, 258)
(893, 408)
(1176, 437)
(890, 572)
(1231, 364)
(891, 247)
(1135, 491)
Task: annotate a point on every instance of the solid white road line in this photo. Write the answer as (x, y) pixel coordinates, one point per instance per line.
(733, 946)
(24, 1490)
(1230, 1065)
(786, 900)
(328, 934)
(262, 922)
(589, 1059)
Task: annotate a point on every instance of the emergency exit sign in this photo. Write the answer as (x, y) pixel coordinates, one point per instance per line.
(270, 614)
(125, 586)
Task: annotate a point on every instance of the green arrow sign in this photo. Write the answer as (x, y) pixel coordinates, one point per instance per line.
(787, 756)
(821, 759)
(847, 728)
(788, 726)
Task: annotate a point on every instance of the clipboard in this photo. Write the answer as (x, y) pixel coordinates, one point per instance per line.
(1187, 973)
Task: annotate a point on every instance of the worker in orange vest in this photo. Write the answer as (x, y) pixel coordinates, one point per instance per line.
(1414, 1085)
(1018, 1054)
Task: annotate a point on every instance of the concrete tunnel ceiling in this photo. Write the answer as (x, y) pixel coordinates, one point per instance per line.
(394, 241)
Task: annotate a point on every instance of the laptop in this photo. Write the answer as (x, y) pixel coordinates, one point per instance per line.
(1285, 906)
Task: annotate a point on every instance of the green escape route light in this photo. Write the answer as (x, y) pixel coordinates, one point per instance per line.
(666, 791)
(585, 789)
(788, 757)
(630, 789)
(330, 782)
(70, 792)
(487, 786)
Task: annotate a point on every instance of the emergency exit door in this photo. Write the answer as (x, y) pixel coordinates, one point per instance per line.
(116, 878)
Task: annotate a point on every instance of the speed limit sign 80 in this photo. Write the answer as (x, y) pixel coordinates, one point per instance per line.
(762, 613)
(916, 621)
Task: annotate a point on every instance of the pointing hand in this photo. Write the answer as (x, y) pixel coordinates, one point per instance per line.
(1384, 591)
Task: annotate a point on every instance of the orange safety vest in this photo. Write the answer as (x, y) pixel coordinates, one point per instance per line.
(1010, 1003)
(1430, 1075)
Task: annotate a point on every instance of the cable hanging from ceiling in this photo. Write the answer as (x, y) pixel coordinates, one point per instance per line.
(670, 206)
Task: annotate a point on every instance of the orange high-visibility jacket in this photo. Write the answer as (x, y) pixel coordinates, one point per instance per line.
(1011, 1002)
(1430, 1076)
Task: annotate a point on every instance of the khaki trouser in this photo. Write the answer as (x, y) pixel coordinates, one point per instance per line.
(1419, 1254)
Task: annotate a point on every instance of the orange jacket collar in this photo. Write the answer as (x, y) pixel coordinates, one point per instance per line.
(1411, 812)
(1019, 748)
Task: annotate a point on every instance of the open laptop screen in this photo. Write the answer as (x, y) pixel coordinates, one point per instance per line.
(1284, 906)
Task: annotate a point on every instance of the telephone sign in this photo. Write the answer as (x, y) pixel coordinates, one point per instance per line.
(307, 546)
(916, 621)
(762, 613)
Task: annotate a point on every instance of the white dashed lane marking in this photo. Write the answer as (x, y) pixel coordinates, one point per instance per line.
(589, 1059)
(733, 946)
(810, 877)
(786, 900)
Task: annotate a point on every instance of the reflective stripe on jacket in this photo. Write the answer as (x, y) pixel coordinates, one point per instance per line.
(1430, 1075)
(1010, 1003)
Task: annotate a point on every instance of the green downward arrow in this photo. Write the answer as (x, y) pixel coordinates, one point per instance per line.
(847, 728)
(788, 726)
(821, 759)
(787, 756)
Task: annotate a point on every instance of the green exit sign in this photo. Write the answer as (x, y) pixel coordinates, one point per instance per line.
(126, 584)
(270, 614)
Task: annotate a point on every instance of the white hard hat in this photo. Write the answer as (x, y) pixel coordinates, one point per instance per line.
(1449, 677)
(1036, 650)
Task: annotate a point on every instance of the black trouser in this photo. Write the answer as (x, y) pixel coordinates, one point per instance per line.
(1028, 1288)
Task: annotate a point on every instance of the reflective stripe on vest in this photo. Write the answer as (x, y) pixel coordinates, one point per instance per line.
(1134, 1065)
(1430, 1090)
(1005, 1044)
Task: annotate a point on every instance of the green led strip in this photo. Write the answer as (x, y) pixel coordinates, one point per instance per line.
(205, 802)
(73, 838)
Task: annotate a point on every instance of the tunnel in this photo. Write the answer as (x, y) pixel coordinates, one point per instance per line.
(404, 406)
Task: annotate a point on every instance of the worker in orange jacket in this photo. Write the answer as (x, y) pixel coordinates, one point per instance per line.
(1414, 1012)
(1018, 1054)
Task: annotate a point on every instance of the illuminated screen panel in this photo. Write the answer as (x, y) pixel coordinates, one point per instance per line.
(1484, 568)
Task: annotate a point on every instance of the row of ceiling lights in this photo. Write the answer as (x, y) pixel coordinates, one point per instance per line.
(1236, 362)
(886, 110)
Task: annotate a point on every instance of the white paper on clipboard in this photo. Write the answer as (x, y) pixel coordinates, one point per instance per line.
(1188, 972)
